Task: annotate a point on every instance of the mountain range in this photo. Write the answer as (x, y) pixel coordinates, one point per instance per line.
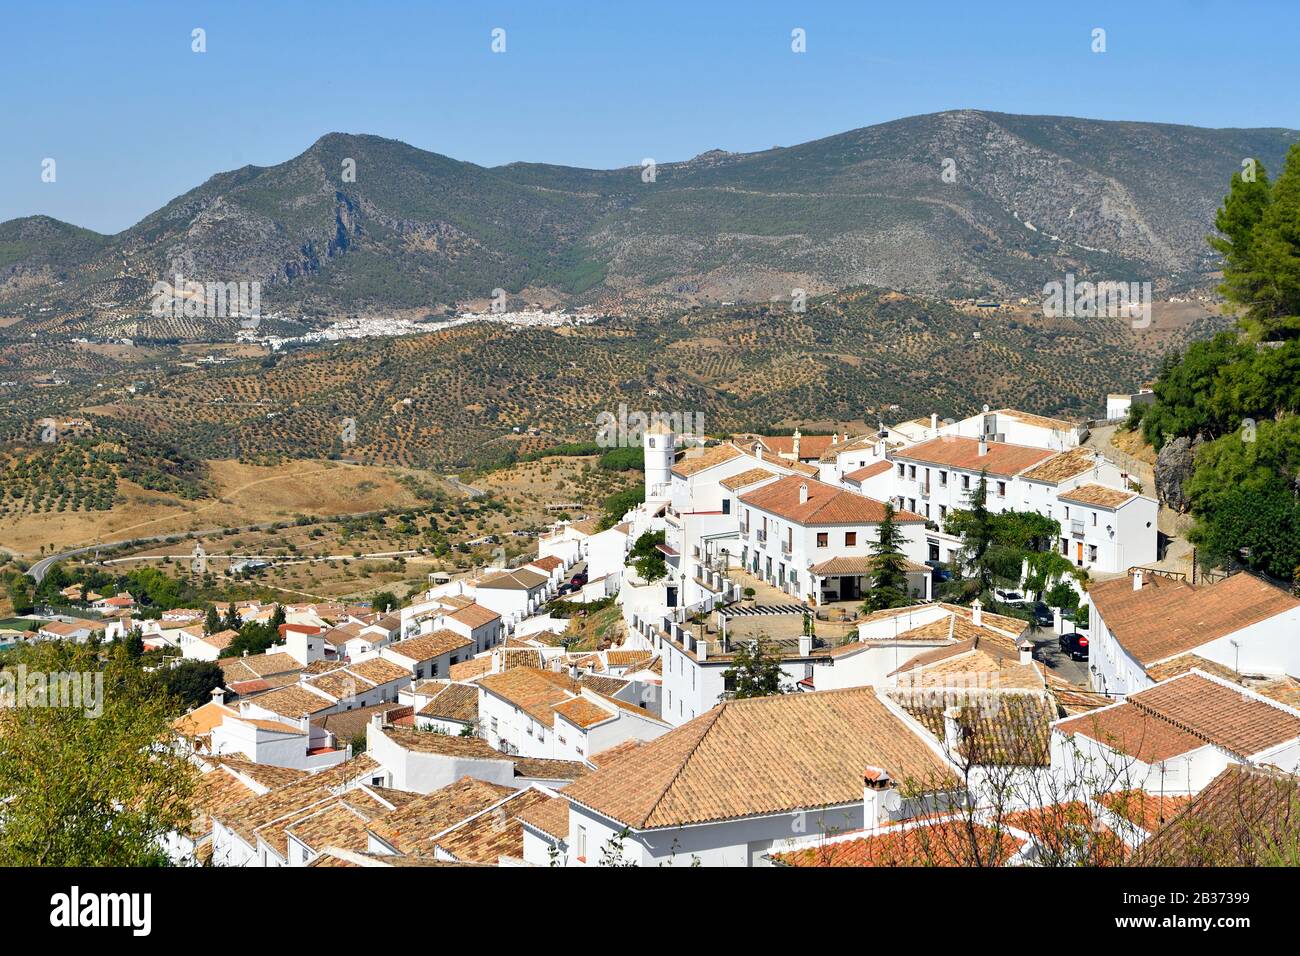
(955, 204)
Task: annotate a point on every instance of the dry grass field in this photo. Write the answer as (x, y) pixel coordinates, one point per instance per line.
(245, 494)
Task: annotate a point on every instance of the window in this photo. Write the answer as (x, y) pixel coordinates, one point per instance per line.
(927, 511)
(1092, 552)
(850, 539)
(1002, 489)
(965, 482)
(822, 539)
(726, 506)
(581, 843)
(911, 504)
(1094, 519)
(911, 472)
(652, 443)
(943, 479)
(902, 470)
(943, 511)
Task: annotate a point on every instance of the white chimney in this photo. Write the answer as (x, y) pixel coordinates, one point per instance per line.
(805, 645)
(803, 493)
(952, 730)
(984, 447)
(702, 650)
(934, 422)
(1026, 652)
(878, 797)
(758, 450)
(977, 613)
(796, 445)
(1057, 627)
(219, 696)
(1137, 579)
(377, 720)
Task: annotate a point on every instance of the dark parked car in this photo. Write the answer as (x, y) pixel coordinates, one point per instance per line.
(1076, 645)
(579, 579)
(1043, 616)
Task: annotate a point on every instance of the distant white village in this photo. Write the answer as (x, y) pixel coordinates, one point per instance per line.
(462, 729)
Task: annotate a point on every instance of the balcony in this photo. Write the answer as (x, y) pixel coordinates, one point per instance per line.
(1076, 528)
(786, 550)
(761, 537)
(925, 489)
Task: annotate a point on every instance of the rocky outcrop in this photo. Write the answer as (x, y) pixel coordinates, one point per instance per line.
(1174, 465)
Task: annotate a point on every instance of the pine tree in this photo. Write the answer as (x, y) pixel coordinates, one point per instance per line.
(889, 584)
(212, 621)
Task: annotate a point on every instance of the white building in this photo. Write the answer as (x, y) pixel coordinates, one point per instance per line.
(1146, 624)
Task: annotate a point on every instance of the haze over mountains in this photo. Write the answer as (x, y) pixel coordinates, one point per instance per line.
(1033, 197)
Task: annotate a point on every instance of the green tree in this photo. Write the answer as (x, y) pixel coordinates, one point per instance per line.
(231, 621)
(191, 683)
(383, 601)
(211, 621)
(986, 558)
(754, 672)
(83, 790)
(646, 558)
(889, 581)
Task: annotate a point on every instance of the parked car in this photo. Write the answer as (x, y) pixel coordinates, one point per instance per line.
(1076, 645)
(1013, 598)
(579, 579)
(939, 571)
(1042, 614)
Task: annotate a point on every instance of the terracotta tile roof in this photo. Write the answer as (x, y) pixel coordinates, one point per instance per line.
(424, 741)
(293, 702)
(494, 833)
(1070, 833)
(512, 657)
(628, 658)
(550, 816)
(870, 471)
(943, 843)
(716, 455)
(263, 774)
(346, 724)
(535, 692)
(410, 828)
(548, 563)
(457, 702)
(852, 444)
(1128, 730)
(1189, 662)
(604, 758)
(470, 669)
(747, 478)
(258, 665)
(583, 713)
(857, 566)
(520, 579)
(1246, 816)
(810, 446)
(998, 729)
(1167, 618)
(543, 768)
(1001, 459)
(826, 504)
(339, 824)
(215, 791)
(1146, 810)
(1041, 421)
(1066, 465)
(1226, 716)
(379, 671)
(220, 640)
(609, 686)
(428, 646)
(474, 615)
(340, 684)
(201, 720)
(1097, 495)
(761, 755)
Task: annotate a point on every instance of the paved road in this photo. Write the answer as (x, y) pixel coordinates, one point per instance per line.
(1047, 650)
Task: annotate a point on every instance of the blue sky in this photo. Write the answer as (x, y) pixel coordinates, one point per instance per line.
(132, 117)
